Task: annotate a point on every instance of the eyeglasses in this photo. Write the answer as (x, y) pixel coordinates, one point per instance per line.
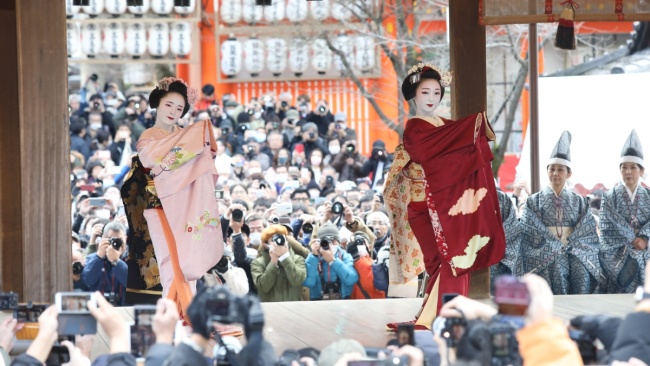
(376, 223)
(301, 199)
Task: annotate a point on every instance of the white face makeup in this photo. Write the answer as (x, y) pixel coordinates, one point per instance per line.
(427, 97)
(170, 109)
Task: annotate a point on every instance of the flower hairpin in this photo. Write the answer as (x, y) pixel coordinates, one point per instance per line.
(192, 93)
(417, 70)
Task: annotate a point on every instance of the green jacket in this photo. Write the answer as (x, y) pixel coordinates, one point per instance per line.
(278, 283)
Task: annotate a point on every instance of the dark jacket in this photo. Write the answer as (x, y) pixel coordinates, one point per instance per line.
(100, 275)
(158, 353)
(117, 359)
(323, 122)
(183, 355)
(116, 150)
(348, 172)
(371, 166)
(78, 143)
(242, 261)
(632, 339)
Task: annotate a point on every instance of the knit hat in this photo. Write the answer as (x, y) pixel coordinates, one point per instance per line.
(632, 150)
(330, 230)
(243, 118)
(562, 152)
(378, 145)
(231, 103)
(272, 230)
(340, 116)
(362, 234)
(225, 124)
(331, 354)
(292, 114)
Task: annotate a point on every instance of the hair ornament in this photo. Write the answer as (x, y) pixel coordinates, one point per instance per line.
(192, 93)
(416, 73)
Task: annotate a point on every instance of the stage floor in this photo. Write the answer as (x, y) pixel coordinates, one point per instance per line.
(295, 325)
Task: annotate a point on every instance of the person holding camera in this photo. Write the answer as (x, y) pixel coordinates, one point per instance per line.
(367, 287)
(349, 163)
(309, 139)
(135, 113)
(239, 235)
(106, 270)
(330, 269)
(321, 117)
(278, 273)
(254, 152)
(339, 129)
(123, 146)
(96, 105)
(377, 163)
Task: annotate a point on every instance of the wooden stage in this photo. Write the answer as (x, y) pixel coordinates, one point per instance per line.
(318, 323)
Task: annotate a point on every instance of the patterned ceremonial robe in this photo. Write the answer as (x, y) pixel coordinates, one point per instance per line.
(447, 217)
(511, 262)
(559, 242)
(624, 266)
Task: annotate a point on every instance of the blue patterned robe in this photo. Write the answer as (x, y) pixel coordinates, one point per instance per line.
(571, 267)
(511, 262)
(623, 266)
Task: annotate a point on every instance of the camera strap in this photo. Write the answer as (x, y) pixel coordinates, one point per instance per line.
(363, 291)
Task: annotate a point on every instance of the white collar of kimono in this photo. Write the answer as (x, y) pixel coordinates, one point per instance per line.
(631, 194)
(552, 190)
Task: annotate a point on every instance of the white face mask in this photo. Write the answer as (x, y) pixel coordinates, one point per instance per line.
(103, 213)
(252, 171)
(256, 238)
(95, 126)
(335, 150)
(260, 137)
(316, 160)
(363, 251)
(281, 178)
(257, 115)
(111, 102)
(230, 112)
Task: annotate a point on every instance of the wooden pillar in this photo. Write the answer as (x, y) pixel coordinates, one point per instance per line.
(35, 243)
(469, 87)
(533, 124)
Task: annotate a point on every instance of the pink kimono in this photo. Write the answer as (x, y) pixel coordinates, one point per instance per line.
(185, 233)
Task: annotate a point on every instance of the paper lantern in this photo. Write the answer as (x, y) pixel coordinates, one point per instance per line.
(251, 13)
(114, 39)
(115, 7)
(158, 40)
(138, 11)
(91, 39)
(162, 7)
(364, 54)
(231, 11)
(254, 56)
(71, 10)
(297, 10)
(276, 55)
(344, 44)
(275, 12)
(186, 10)
(298, 56)
(136, 40)
(231, 56)
(341, 10)
(72, 38)
(181, 39)
(94, 8)
(320, 10)
(322, 56)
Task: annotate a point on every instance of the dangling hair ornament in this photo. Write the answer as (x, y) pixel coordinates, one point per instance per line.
(192, 93)
(419, 69)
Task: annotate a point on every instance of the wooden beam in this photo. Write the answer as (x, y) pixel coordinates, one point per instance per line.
(469, 88)
(533, 125)
(35, 222)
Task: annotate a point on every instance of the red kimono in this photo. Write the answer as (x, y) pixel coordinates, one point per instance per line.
(458, 224)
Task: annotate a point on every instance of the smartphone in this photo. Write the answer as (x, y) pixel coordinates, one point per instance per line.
(29, 313)
(143, 314)
(511, 295)
(284, 209)
(406, 334)
(120, 211)
(448, 297)
(74, 302)
(104, 155)
(142, 338)
(58, 356)
(87, 187)
(218, 194)
(114, 170)
(97, 201)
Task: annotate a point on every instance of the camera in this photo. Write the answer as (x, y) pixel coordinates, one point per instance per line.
(275, 125)
(96, 105)
(307, 228)
(325, 243)
(391, 360)
(222, 265)
(237, 215)
(503, 342)
(279, 239)
(137, 105)
(225, 308)
(350, 148)
(322, 109)
(116, 243)
(112, 298)
(329, 181)
(359, 241)
(337, 208)
(586, 345)
(249, 149)
(312, 135)
(225, 131)
(284, 104)
(250, 112)
(263, 185)
(8, 301)
(450, 329)
(77, 268)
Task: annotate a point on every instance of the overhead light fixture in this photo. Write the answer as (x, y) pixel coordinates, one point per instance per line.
(134, 2)
(80, 2)
(263, 2)
(181, 2)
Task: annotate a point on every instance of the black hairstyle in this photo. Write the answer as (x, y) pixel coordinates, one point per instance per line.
(408, 89)
(175, 87)
(298, 191)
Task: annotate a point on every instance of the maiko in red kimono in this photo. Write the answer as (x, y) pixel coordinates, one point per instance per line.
(453, 209)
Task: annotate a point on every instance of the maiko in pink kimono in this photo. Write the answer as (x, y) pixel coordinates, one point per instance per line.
(184, 227)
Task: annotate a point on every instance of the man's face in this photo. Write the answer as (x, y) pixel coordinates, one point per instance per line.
(380, 227)
(75, 105)
(256, 226)
(301, 198)
(366, 206)
(275, 141)
(94, 119)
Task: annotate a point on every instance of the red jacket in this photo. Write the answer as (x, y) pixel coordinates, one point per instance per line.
(364, 268)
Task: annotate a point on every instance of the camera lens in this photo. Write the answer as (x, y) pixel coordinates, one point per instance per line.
(275, 125)
(279, 239)
(116, 243)
(307, 228)
(350, 148)
(77, 268)
(329, 180)
(337, 208)
(312, 135)
(322, 109)
(359, 241)
(284, 104)
(250, 111)
(96, 105)
(137, 105)
(237, 215)
(250, 149)
(325, 244)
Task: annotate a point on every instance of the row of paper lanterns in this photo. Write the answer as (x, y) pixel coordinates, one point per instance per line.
(119, 7)
(113, 39)
(234, 11)
(276, 55)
